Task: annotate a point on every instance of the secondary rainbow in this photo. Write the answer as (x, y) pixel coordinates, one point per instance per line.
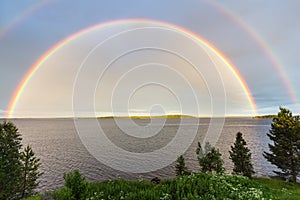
(264, 47)
(22, 16)
(234, 17)
(22, 85)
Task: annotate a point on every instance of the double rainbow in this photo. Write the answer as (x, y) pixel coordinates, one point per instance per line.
(30, 10)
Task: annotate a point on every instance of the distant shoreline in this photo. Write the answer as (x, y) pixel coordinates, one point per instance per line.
(149, 117)
(264, 116)
(172, 116)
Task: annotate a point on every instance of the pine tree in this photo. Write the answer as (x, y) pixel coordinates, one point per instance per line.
(285, 150)
(210, 159)
(181, 169)
(18, 170)
(241, 157)
(30, 172)
(10, 164)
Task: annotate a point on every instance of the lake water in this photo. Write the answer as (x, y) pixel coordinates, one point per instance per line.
(58, 145)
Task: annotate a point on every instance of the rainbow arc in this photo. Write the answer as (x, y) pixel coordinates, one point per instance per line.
(21, 87)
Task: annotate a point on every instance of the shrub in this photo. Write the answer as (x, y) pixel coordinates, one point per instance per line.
(75, 184)
(194, 186)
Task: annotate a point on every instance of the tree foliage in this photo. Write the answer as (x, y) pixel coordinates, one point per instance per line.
(10, 162)
(285, 150)
(75, 182)
(241, 157)
(210, 159)
(18, 170)
(180, 167)
(30, 172)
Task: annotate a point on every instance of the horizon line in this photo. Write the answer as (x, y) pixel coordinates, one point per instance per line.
(135, 116)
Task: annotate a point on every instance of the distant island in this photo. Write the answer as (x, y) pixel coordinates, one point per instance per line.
(176, 116)
(168, 116)
(264, 116)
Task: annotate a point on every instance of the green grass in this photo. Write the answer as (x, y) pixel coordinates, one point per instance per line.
(38, 197)
(195, 186)
(281, 189)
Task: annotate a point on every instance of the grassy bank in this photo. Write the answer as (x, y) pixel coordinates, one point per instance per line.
(196, 186)
(281, 189)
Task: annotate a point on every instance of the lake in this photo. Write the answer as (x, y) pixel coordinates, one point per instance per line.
(58, 145)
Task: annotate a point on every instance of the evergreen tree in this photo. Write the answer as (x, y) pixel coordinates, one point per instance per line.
(30, 172)
(285, 150)
(10, 163)
(18, 170)
(241, 157)
(210, 159)
(181, 169)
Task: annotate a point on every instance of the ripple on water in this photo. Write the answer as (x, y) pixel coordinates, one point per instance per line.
(57, 144)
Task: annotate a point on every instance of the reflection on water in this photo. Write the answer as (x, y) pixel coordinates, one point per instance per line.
(56, 142)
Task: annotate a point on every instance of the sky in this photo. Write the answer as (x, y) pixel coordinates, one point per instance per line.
(260, 38)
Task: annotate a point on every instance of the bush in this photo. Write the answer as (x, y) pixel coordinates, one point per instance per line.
(75, 185)
(65, 194)
(194, 186)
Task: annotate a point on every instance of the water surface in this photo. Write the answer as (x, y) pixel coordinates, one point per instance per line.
(57, 144)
